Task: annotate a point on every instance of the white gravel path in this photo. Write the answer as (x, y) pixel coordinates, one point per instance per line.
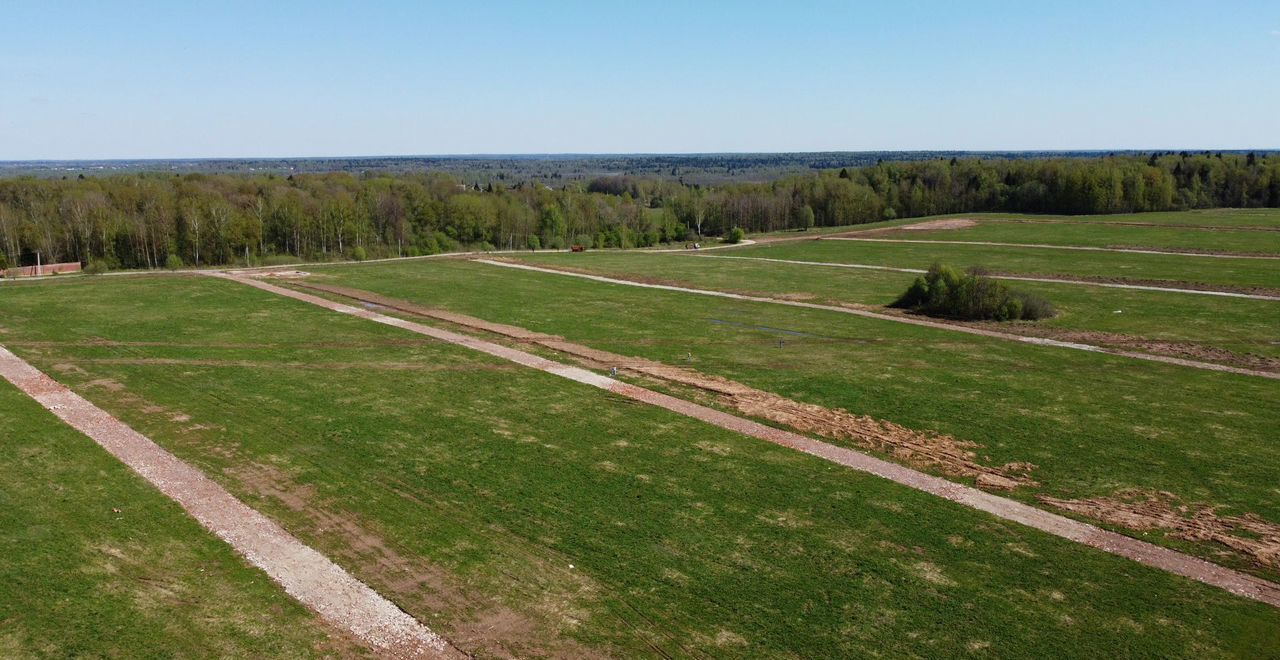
(305, 574)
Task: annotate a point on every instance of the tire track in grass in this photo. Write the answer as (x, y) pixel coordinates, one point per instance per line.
(306, 575)
(1018, 278)
(1118, 544)
(1037, 341)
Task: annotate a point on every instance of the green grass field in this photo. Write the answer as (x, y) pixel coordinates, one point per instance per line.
(1233, 324)
(78, 579)
(1171, 269)
(516, 511)
(1199, 434)
(1093, 234)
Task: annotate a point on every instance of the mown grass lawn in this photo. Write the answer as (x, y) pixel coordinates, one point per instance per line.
(1239, 325)
(462, 487)
(79, 579)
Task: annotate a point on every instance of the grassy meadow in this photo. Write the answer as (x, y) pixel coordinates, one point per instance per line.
(520, 513)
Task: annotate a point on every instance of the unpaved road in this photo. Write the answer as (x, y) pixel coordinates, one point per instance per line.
(1061, 526)
(1038, 341)
(1087, 248)
(1017, 278)
(305, 574)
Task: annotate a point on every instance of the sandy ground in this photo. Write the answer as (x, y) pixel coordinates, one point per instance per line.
(1118, 544)
(1038, 341)
(305, 574)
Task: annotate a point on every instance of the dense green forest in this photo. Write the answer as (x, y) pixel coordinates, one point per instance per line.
(154, 220)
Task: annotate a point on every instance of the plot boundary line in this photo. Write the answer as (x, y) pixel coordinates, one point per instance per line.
(1019, 278)
(307, 576)
(1035, 341)
(1142, 552)
(1045, 246)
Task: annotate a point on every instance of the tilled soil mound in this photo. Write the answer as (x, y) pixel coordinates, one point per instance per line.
(1146, 510)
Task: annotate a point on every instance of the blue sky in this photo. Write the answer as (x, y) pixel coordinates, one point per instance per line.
(225, 79)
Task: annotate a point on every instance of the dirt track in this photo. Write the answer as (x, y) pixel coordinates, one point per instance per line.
(1138, 285)
(306, 575)
(1046, 246)
(1118, 544)
(1038, 341)
(951, 456)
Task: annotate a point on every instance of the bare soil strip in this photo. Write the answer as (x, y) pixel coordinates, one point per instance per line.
(1087, 248)
(1084, 533)
(305, 574)
(1143, 510)
(1218, 291)
(943, 452)
(1038, 341)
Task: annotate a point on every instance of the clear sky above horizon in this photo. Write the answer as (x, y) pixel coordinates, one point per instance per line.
(227, 79)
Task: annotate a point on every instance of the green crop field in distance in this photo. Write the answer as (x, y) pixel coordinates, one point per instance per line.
(461, 486)
(1119, 266)
(1234, 324)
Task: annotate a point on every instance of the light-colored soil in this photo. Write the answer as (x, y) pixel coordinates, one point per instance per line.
(1118, 544)
(928, 225)
(951, 456)
(901, 318)
(1143, 510)
(306, 575)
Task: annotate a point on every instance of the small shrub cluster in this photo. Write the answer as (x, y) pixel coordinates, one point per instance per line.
(970, 296)
(735, 235)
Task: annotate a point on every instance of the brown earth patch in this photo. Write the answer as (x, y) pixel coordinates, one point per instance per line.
(928, 225)
(1183, 349)
(475, 624)
(942, 452)
(1149, 510)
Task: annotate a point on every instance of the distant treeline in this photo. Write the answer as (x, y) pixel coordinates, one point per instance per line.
(154, 220)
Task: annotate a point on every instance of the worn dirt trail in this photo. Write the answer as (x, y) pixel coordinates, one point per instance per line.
(1061, 526)
(1046, 246)
(1018, 278)
(306, 575)
(1038, 341)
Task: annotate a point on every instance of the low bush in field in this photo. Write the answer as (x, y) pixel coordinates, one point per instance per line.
(970, 296)
(735, 235)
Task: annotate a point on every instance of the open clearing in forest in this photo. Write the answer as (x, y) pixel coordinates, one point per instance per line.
(516, 512)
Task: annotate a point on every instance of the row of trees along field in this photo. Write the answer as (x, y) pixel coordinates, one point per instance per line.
(156, 220)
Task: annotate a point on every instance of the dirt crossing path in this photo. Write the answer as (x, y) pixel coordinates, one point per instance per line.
(1037, 341)
(1018, 278)
(306, 575)
(1061, 526)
